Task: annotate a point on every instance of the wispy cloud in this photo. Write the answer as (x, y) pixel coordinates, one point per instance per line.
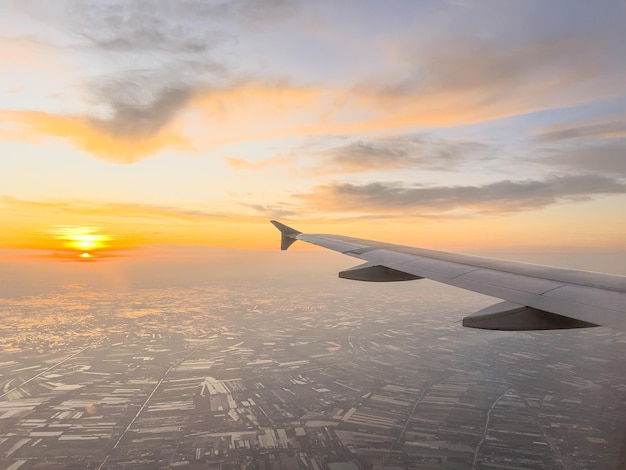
(96, 137)
(89, 209)
(139, 26)
(376, 154)
(132, 133)
(159, 56)
(128, 226)
(608, 157)
(274, 211)
(241, 164)
(499, 197)
(172, 63)
(399, 152)
(611, 128)
(131, 119)
(594, 145)
(467, 80)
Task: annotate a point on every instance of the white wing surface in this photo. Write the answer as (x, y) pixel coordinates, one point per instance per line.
(535, 297)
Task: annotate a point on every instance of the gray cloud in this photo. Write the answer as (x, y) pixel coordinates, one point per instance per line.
(500, 197)
(384, 154)
(611, 129)
(130, 119)
(467, 80)
(469, 65)
(162, 58)
(261, 12)
(182, 26)
(138, 26)
(400, 152)
(606, 157)
(273, 211)
(162, 54)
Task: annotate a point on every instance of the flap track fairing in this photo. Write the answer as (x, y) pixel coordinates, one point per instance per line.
(370, 272)
(509, 316)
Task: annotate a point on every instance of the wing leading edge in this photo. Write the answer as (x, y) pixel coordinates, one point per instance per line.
(535, 297)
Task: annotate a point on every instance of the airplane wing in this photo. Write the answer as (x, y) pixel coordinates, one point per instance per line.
(535, 297)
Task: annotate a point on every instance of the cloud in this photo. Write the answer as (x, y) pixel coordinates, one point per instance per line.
(399, 152)
(241, 164)
(176, 79)
(383, 154)
(279, 211)
(613, 128)
(259, 12)
(88, 209)
(499, 197)
(607, 157)
(134, 132)
(138, 26)
(165, 51)
(129, 224)
(135, 120)
(466, 80)
(159, 56)
(29, 224)
(184, 26)
(597, 145)
(97, 137)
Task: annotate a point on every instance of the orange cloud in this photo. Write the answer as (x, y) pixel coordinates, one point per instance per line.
(88, 136)
(257, 111)
(454, 84)
(72, 227)
(129, 230)
(206, 119)
(241, 164)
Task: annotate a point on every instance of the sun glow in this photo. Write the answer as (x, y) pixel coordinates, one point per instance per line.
(82, 239)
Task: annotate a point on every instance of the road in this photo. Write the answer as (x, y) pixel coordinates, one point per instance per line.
(44, 372)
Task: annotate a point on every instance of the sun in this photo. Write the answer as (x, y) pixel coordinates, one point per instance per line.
(83, 240)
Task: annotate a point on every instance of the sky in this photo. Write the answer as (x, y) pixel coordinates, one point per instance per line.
(487, 126)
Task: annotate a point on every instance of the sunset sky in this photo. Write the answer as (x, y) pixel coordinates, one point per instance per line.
(456, 125)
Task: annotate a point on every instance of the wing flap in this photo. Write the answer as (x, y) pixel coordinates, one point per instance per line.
(591, 296)
(440, 269)
(494, 278)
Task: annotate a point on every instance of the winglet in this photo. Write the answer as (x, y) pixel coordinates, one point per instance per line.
(288, 234)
